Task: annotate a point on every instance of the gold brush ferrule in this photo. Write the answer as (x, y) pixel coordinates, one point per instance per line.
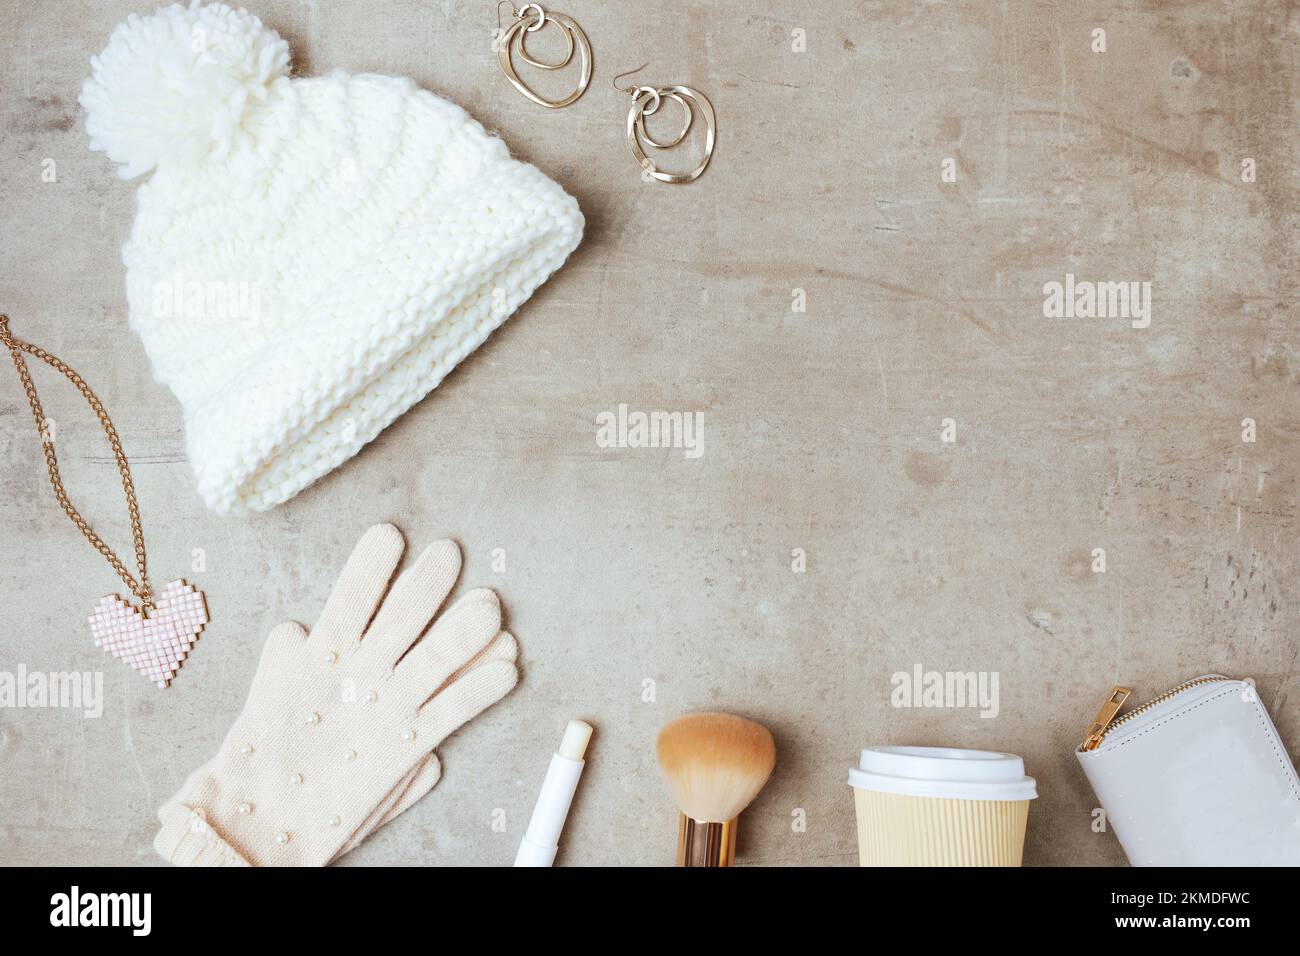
(700, 843)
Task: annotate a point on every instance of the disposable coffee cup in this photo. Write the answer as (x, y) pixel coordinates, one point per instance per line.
(937, 806)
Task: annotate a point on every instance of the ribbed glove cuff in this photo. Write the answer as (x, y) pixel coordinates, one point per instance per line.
(187, 839)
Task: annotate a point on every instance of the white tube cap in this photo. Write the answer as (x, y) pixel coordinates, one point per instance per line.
(576, 737)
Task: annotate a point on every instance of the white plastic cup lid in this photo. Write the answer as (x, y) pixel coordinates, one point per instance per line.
(943, 772)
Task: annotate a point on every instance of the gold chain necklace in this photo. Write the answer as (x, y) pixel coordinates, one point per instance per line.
(155, 638)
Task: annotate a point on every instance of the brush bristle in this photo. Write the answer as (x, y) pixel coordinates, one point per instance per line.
(715, 764)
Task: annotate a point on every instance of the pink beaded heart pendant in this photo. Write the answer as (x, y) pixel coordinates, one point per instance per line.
(156, 644)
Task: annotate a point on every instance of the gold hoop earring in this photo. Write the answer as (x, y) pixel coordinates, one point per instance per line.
(646, 101)
(529, 19)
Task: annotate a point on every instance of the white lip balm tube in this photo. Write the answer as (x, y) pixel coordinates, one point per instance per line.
(543, 836)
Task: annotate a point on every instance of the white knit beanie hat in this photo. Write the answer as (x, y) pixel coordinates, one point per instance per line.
(311, 256)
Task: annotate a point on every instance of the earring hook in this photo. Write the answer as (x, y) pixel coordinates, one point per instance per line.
(627, 89)
(513, 12)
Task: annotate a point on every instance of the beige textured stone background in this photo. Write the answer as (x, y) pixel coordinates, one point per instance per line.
(822, 429)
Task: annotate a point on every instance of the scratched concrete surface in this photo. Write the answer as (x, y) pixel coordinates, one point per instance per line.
(629, 569)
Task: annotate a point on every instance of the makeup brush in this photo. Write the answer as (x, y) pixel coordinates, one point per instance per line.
(714, 765)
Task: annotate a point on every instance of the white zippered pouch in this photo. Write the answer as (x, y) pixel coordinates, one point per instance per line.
(1196, 777)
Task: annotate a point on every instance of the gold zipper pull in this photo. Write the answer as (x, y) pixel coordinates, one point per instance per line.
(1104, 716)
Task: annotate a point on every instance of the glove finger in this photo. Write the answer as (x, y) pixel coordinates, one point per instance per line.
(358, 590)
(463, 699)
(283, 646)
(459, 634)
(285, 641)
(416, 596)
(419, 781)
(425, 775)
(503, 647)
(424, 779)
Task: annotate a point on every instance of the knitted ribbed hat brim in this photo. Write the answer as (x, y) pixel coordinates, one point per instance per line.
(375, 344)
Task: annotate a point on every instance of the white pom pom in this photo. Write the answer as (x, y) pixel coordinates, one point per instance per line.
(178, 82)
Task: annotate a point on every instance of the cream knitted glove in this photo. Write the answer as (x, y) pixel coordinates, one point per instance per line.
(338, 733)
